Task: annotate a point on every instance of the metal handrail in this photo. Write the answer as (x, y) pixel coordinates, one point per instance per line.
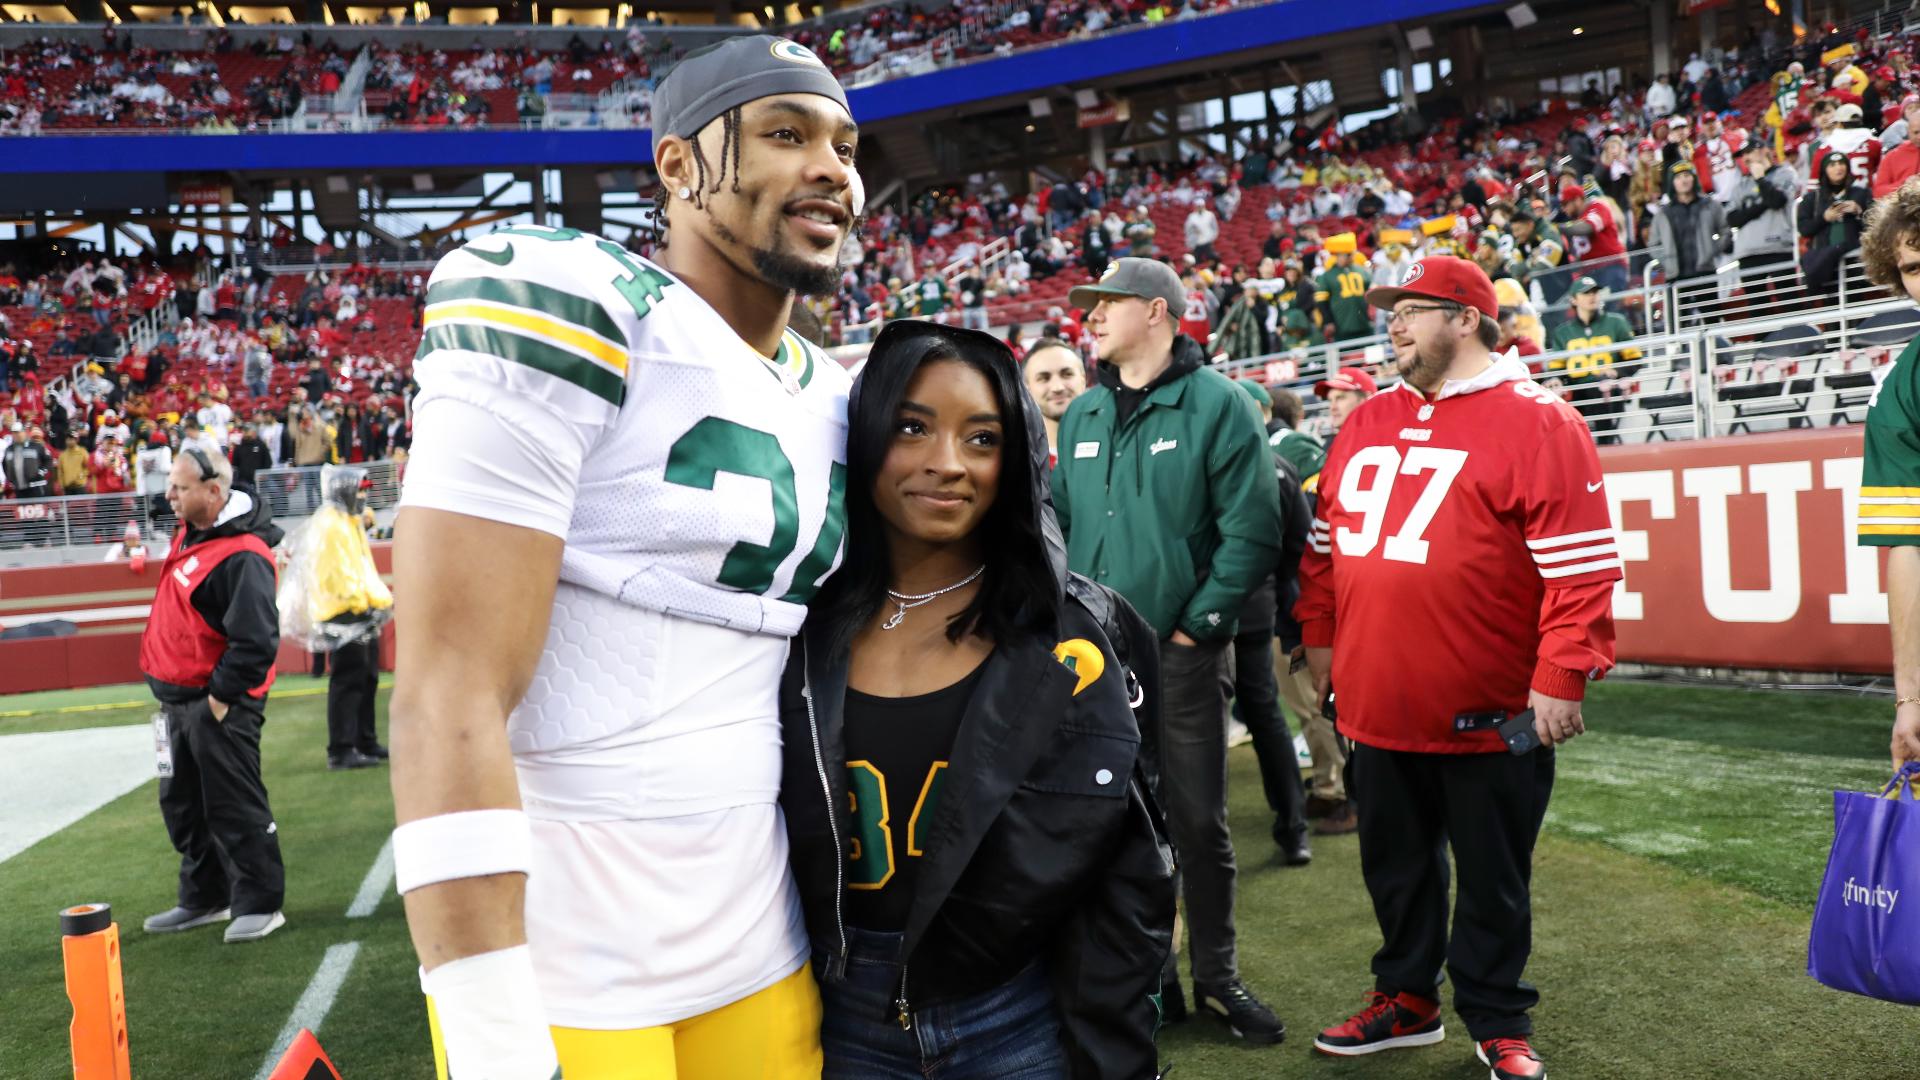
(95, 521)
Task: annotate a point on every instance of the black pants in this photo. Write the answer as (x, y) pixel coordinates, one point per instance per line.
(350, 692)
(1489, 806)
(1258, 700)
(215, 806)
(1194, 682)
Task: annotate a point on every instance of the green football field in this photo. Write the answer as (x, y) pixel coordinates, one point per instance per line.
(1672, 895)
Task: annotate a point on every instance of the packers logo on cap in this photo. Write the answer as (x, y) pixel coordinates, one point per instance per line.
(794, 53)
(1111, 270)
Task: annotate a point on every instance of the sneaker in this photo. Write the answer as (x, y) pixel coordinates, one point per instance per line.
(1387, 1023)
(1295, 849)
(1243, 1013)
(255, 927)
(1173, 1002)
(352, 759)
(375, 751)
(1510, 1059)
(1339, 821)
(173, 920)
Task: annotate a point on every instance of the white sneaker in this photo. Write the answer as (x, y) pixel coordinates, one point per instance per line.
(175, 919)
(1237, 733)
(254, 927)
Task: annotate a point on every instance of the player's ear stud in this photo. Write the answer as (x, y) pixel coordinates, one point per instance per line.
(685, 193)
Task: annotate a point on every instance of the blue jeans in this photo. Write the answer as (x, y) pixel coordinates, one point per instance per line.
(1011, 1032)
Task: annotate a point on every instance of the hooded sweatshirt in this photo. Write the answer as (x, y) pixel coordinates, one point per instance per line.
(237, 600)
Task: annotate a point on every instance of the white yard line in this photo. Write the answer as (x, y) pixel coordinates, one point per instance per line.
(54, 778)
(314, 1004)
(373, 887)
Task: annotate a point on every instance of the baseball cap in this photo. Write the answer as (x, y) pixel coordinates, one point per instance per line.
(1347, 379)
(1144, 278)
(1569, 192)
(1649, 144)
(1582, 286)
(1679, 167)
(1441, 277)
(1848, 111)
(718, 77)
(1709, 117)
(1255, 391)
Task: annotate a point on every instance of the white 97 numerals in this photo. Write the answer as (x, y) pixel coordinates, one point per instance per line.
(1366, 489)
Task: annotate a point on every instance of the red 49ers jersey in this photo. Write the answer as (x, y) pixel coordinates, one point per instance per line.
(1461, 554)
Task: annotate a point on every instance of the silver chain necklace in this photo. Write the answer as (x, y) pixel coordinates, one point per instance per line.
(907, 602)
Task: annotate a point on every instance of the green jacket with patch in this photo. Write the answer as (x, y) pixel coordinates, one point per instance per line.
(1175, 509)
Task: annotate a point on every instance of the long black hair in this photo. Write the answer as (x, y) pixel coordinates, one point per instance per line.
(1019, 592)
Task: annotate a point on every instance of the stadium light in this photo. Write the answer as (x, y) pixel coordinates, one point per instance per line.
(1578, 30)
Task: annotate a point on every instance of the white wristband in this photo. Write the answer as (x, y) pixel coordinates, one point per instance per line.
(492, 1022)
(472, 843)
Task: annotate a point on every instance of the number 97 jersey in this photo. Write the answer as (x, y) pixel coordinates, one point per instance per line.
(688, 474)
(1461, 554)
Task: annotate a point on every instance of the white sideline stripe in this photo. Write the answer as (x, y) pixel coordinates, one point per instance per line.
(373, 887)
(315, 1002)
(52, 779)
(1570, 538)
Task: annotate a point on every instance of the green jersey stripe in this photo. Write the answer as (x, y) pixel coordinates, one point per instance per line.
(529, 352)
(550, 302)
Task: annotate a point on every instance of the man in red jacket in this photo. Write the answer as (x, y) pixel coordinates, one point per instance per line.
(1460, 513)
(1901, 162)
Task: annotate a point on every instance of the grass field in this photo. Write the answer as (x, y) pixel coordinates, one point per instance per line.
(1672, 895)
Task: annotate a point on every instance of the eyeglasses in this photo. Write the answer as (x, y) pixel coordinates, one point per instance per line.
(1408, 312)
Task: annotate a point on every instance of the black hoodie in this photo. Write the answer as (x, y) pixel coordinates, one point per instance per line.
(237, 599)
(1188, 357)
(1046, 843)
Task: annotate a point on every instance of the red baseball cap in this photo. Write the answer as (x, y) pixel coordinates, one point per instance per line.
(1709, 117)
(1441, 277)
(1347, 379)
(1572, 191)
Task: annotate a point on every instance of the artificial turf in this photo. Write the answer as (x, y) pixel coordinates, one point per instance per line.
(1672, 894)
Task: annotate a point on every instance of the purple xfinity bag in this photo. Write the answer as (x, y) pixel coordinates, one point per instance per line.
(1866, 922)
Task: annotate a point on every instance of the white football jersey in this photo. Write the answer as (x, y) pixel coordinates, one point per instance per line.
(570, 386)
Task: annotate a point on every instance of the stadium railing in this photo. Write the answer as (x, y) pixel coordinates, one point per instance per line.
(83, 521)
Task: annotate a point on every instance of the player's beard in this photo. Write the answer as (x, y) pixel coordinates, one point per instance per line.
(1429, 364)
(776, 263)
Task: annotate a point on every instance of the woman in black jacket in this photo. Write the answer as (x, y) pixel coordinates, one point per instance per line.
(1830, 217)
(984, 873)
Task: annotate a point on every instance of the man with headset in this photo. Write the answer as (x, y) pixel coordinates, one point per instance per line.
(208, 654)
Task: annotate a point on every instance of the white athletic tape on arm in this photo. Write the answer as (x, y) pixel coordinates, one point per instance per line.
(492, 1021)
(472, 843)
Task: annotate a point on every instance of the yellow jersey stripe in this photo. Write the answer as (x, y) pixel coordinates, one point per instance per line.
(1869, 528)
(528, 322)
(1889, 492)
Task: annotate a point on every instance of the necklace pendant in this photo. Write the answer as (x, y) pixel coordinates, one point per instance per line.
(895, 619)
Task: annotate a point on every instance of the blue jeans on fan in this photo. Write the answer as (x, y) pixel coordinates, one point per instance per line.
(1011, 1032)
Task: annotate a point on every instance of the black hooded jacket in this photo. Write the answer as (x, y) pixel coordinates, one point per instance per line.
(237, 599)
(1046, 844)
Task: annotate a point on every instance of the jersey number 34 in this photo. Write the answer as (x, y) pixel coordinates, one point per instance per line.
(714, 446)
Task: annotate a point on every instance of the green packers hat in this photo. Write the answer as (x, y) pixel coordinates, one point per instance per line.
(716, 78)
(1146, 279)
(1583, 285)
(1255, 391)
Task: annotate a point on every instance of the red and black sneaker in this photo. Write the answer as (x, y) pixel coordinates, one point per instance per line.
(1387, 1023)
(1510, 1059)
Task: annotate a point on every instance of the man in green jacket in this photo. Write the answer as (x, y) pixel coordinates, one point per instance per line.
(1166, 494)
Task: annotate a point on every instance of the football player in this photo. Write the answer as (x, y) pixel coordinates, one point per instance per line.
(626, 484)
